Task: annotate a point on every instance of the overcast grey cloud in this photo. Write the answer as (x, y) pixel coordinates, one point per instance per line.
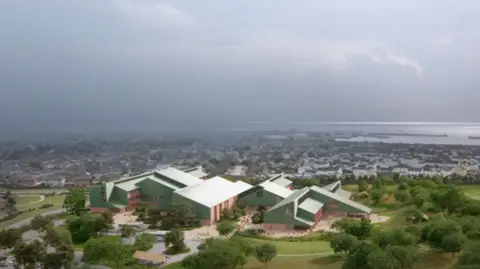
(136, 63)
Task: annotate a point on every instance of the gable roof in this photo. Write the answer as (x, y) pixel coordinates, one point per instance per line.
(196, 171)
(341, 199)
(276, 189)
(331, 186)
(292, 198)
(280, 180)
(213, 191)
(108, 190)
(345, 194)
(311, 205)
(179, 176)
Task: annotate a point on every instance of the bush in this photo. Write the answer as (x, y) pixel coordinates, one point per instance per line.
(174, 251)
(257, 218)
(145, 242)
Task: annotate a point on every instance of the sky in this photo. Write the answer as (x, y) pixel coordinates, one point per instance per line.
(140, 64)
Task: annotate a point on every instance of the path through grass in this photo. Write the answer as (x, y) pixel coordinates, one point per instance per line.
(296, 247)
(26, 199)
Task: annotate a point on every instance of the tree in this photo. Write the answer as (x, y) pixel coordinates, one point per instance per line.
(128, 231)
(225, 227)
(380, 259)
(365, 228)
(119, 254)
(106, 221)
(435, 232)
(82, 228)
(453, 243)
(41, 223)
(29, 255)
(265, 253)
(394, 237)
(216, 257)
(62, 258)
(227, 214)
(179, 216)
(97, 249)
(360, 229)
(145, 242)
(362, 186)
(9, 238)
(406, 256)
(402, 196)
(470, 255)
(358, 257)
(74, 202)
(175, 238)
(376, 195)
(343, 243)
(10, 203)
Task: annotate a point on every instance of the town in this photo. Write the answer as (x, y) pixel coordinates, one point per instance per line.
(237, 200)
(250, 156)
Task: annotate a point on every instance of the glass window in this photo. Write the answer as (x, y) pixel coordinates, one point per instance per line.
(259, 193)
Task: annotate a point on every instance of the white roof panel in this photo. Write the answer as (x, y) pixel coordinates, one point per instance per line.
(213, 191)
(179, 176)
(276, 189)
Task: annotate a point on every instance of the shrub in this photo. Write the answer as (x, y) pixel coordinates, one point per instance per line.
(173, 251)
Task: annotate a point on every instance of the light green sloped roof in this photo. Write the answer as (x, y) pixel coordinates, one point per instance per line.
(292, 198)
(282, 181)
(341, 199)
(276, 189)
(307, 222)
(345, 194)
(311, 205)
(330, 186)
(108, 190)
(131, 184)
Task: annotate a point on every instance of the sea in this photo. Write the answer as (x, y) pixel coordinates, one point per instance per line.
(449, 133)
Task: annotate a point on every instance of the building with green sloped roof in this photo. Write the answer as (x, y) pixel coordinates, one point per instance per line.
(304, 208)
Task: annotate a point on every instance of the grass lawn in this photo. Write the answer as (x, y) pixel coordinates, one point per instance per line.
(430, 260)
(472, 191)
(26, 199)
(27, 215)
(296, 247)
(38, 191)
(110, 238)
(354, 187)
(56, 200)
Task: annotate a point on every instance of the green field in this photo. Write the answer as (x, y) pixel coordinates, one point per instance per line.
(27, 215)
(296, 247)
(38, 191)
(26, 199)
(429, 260)
(56, 200)
(472, 191)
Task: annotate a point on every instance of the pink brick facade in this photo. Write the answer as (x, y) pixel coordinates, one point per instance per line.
(133, 199)
(275, 227)
(216, 211)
